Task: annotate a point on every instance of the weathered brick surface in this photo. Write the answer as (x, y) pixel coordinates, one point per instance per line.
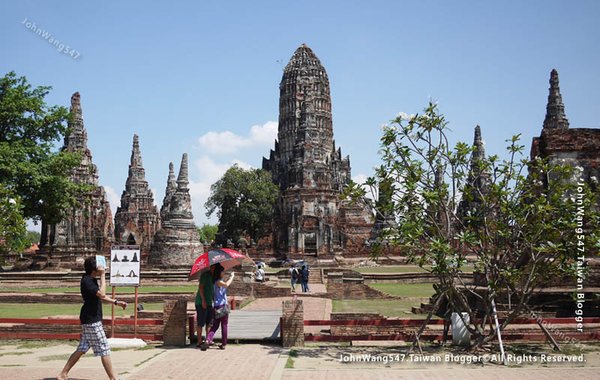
(292, 329)
(87, 229)
(175, 322)
(137, 218)
(354, 291)
(310, 170)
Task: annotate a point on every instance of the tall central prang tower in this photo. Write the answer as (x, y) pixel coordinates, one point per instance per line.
(309, 170)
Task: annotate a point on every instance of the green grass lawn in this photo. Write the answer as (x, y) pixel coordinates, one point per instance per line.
(38, 310)
(405, 290)
(388, 308)
(120, 289)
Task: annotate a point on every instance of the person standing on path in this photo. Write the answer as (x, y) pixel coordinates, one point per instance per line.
(90, 316)
(294, 274)
(204, 303)
(304, 274)
(221, 308)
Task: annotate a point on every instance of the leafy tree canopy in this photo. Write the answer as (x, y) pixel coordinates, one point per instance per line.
(520, 224)
(32, 172)
(244, 202)
(208, 232)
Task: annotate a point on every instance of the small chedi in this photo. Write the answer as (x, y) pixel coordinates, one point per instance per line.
(177, 243)
(471, 208)
(88, 227)
(574, 146)
(137, 219)
(309, 170)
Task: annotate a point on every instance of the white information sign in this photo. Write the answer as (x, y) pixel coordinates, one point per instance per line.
(125, 265)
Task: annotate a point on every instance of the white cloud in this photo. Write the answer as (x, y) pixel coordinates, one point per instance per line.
(113, 198)
(360, 179)
(209, 172)
(228, 142)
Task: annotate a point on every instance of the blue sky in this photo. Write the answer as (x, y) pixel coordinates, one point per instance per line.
(202, 77)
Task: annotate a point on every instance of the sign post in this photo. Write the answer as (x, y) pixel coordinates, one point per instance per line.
(125, 271)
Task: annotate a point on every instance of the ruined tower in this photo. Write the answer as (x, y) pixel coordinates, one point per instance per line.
(579, 147)
(471, 206)
(307, 167)
(169, 191)
(555, 109)
(177, 243)
(87, 228)
(137, 218)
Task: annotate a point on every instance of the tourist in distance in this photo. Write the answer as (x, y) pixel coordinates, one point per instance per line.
(304, 273)
(204, 303)
(221, 311)
(90, 316)
(259, 275)
(294, 274)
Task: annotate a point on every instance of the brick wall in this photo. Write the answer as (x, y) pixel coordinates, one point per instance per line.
(292, 326)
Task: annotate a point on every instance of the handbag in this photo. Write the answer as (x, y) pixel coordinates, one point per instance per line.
(222, 311)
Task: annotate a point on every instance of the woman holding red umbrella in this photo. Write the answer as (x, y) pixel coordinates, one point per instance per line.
(221, 308)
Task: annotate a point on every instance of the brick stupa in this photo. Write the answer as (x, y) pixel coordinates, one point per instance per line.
(137, 218)
(177, 243)
(87, 228)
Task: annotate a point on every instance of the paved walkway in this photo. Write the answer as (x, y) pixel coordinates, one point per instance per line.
(266, 362)
(445, 374)
(253, 325)
(314, 308)
(245, 361)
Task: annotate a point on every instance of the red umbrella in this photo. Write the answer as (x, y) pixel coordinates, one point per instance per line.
(228, 258)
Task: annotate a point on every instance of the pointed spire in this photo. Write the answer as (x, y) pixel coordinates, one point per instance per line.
(136, 156)
(555, 109)
(76, 109)
(170, 190)
(478, 148)
(76, 139)
(182, 179)
(438, 180)
(171, 180)
(303, 57)
(137, 215)
(136, 177)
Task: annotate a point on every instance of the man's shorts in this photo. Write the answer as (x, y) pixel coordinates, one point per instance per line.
(93, 335)
(204, 316)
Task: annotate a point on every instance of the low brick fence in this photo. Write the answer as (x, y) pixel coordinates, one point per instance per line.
(169, 326)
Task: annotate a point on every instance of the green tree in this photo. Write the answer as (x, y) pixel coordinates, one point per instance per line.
(32, 237)
(523, 233)
(244, 202)
(31, 170)
(12, 224)
(208, 232)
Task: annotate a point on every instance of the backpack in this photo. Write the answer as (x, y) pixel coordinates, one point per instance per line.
(295, 273)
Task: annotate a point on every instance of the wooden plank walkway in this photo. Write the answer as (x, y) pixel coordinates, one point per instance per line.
(254, 325)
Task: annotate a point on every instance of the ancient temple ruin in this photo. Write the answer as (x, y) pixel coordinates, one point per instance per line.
(87, 228)
(471, 208)
(309, 170)
(177, 243)
(573, 146)
(137, 219)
